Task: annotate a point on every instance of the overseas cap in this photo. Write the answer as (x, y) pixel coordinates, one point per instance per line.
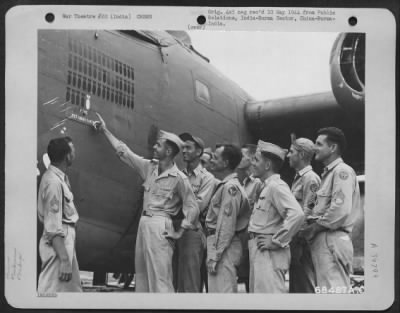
(272, 148)
(197, 140)
(171, 137)
(303, 144)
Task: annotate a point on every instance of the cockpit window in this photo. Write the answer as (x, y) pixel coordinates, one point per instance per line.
(202, 92)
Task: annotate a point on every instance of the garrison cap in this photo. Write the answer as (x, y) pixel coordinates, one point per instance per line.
(171, 137)
(272, 148)
(196, 140)
(303, 144)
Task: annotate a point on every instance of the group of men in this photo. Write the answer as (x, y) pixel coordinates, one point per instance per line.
(227, 213)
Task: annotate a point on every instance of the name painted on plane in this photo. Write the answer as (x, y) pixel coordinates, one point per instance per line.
(81, 119)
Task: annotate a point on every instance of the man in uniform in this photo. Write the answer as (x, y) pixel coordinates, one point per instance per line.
(192, 244)
(167, 191)
(305, 185)
(57, 212)
(275, 219)
(228, 215)
(335, 211)
(252, 187)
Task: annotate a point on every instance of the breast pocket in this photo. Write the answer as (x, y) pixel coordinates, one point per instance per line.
(260, 212)
(69, 207)
(323, 201)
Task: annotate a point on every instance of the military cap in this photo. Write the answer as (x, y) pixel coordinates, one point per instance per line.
(196, 140)
(303, 144)
(171, 137)
(272, 148)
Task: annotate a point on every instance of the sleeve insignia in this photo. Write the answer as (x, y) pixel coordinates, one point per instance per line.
(343, 175)
(232, 191)
(54, 204)
(228, 210)
(338, 197)
(314, 187)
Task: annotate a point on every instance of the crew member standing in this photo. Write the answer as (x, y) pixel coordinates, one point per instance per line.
(166, 191)
(57, 212)
(275, 219)
(305, 185)
(192, 244)
(335, 211)
(228, 215)
(252, 187)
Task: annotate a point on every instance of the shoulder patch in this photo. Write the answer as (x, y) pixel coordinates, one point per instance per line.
(54, 204)
(338, 197)
(314, 187)
(232, 190)
(343, 175)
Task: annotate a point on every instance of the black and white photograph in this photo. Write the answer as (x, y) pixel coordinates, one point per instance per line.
(200, 162)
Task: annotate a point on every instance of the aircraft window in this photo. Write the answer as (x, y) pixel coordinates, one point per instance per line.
(116, 66)
(125, 88)
(120, 68)
(131, 101)
(129, 88)
(94, 88)
(89, 85)
(99, 74)
(121, 84)
(70, 60)
(98, 58)
(132, 89)
(112, 96)
(90, 69)
(94, 71)
(69, 77)
(120, 98)
(79, 81)
(85, 67)
(75, 46)
(84, 83)
(132, 74)
(98, 89)
(82, 101)
(202, 92)
(124, 69)
(68, 95)
(80, 65)
(74, 80)
(104, 76)
(108, 93)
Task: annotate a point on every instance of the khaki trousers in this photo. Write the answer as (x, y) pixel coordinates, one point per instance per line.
(225, 280)
(332, 255)
(268, 269)
(191, 248)
(48, 278)
(153, 255)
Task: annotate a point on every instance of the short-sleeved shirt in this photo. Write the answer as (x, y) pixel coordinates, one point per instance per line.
(203, 185)
(55, 203)
(338, 198)
(229, 212)
(167, 193)
(304, 188)
(252, 186)
(276, 212)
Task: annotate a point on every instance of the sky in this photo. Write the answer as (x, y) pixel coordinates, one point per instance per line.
(270, 65)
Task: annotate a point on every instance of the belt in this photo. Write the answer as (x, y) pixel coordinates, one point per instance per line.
(69, 223)
(253, 235)
(211, 231)
(155, 213)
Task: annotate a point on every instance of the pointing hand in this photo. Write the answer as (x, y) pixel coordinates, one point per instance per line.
(100, 125)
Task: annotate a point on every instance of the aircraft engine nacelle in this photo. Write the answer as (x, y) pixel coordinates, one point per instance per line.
(347, 64)
(345, 102)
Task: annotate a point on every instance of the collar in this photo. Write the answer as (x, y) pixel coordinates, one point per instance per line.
(272, 178)
(248, 179)
(172, 171)
(229, 177)
(57, 172)
(333, 164)
(305, 170)
(196, 171)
